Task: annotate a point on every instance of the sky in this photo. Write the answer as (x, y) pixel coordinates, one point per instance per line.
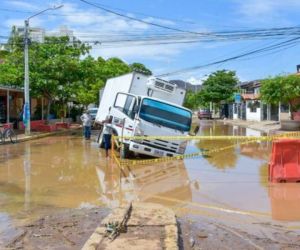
(93, 24)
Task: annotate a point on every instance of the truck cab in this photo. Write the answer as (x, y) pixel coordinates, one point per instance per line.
(145, 116)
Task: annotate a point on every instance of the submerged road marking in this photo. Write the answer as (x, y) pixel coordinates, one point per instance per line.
(217, 208)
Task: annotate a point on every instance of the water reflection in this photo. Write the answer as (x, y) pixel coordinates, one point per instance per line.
(228, 158)
(144, 183)
(285, 201)
(48, 173)
(217, 159)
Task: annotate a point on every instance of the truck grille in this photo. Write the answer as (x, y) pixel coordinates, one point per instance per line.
(162, 145)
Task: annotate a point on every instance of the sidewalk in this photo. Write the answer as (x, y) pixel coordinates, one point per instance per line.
(268, 127)
(36, 135)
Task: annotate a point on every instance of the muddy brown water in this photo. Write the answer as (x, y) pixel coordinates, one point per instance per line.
(50, 174)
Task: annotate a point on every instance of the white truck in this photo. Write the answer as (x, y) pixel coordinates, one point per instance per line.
(145, 106)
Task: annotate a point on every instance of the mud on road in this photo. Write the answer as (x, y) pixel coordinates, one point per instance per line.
(71, 228)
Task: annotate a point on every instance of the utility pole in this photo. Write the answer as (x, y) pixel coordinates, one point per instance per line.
(26, 108)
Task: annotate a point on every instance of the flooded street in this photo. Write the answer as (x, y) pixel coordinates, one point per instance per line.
(47, 175)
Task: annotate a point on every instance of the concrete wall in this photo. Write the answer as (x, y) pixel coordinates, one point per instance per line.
(253, 116)
(252, 132)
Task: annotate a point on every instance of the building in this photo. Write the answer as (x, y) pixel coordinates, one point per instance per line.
(11, 103)
(251, 107)
(39, 34)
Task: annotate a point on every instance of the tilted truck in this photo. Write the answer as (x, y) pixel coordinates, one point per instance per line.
(145, 106)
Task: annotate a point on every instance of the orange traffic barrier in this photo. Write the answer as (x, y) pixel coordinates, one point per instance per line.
(285, 161)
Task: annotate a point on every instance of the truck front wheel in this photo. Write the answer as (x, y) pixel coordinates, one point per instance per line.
(100, 139)
(125, 153)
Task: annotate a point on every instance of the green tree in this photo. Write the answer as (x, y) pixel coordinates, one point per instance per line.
(55, 68)
(87, 89)
(194, 100)
(141, 68)
(219, 87)
(113, 67)
(284, 89)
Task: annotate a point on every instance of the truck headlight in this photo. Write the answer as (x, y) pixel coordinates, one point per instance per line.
(182, 147)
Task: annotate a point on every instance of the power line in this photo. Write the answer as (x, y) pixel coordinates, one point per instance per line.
(136, 19)
(164, 26)
(267, 48)
(132, 12)
(186, 38)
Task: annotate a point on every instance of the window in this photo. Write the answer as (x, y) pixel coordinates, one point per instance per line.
(253, 105)
(125, 103)
(284, 108)
(166, 115)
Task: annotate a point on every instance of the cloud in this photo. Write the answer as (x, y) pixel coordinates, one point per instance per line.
(195, 81)
(266, 11)
(92, 24)
(24, 5)
(154, 52)
(36, 22)
(96, 20)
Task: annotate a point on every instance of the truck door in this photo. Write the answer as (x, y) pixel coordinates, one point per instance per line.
(124, 108)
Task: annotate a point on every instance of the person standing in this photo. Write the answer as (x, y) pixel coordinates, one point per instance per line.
(87, 124)
(107, 132)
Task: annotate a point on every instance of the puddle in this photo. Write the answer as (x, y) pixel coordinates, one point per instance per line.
(54, 173)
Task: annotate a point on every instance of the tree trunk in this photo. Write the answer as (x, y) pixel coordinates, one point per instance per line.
(291, 110)
(48, 109)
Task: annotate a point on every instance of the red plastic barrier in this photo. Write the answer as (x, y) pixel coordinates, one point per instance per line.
(33, 124)
(62, 125)
(285, 161)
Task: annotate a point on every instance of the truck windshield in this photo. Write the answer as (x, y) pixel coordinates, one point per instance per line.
(166, 115)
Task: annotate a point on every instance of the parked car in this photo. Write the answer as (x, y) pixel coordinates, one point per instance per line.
(204, 114)
(93, 113)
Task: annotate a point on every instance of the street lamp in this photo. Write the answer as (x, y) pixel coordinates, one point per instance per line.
(26, 108)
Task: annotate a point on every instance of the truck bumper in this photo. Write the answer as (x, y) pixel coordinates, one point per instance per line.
(151, 151)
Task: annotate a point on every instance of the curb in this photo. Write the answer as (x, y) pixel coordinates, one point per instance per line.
(150, 226)
(42, 135)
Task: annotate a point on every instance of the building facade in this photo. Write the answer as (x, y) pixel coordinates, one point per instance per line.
(39, 34)
(251, 107)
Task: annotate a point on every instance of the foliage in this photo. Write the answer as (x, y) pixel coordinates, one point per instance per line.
(190, 100)
(60, 71)
(138, 67)
(193, 100)
(282, 89)
(219, 87)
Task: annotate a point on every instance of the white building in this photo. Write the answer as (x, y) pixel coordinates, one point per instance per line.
(252, 108)
(39, 34)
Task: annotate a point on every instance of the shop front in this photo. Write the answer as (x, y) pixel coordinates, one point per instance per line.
(11, 103)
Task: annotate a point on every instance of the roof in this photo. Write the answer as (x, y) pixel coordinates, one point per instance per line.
(251, 96)
(11, 88)
(250, 84)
